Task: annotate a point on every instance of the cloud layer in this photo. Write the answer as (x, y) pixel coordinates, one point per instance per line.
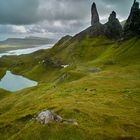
(55, 16)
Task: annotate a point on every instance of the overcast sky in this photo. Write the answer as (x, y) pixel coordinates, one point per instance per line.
(51, 18)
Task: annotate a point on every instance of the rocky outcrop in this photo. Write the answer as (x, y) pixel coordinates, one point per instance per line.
(47, 61)
(46, 117)
(70, 122)
(113, 28)
(96, 28)
(132, 25)
(95, 16)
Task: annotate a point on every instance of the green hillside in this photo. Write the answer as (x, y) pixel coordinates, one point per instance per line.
(100, 90)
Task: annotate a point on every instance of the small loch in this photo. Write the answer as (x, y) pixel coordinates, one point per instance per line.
(12, 82)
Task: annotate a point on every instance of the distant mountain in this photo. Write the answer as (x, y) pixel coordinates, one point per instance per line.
(28, 41)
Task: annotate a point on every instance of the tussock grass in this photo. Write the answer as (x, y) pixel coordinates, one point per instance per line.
(106, 104)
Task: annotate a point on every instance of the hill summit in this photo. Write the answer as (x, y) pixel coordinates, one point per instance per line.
(113, 29)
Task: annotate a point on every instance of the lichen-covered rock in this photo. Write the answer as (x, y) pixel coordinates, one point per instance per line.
(48, 116)
(132, 25)
(95, 16)
(113, 28)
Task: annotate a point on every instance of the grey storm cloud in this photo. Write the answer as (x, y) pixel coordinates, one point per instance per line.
(32, 11)
(18, 11)
(64, 16)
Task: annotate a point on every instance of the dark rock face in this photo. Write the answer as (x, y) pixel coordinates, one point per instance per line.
(95, 31)
(112, 16)
(50, 62)
(113, 28)
(95, 16)
(132, 25)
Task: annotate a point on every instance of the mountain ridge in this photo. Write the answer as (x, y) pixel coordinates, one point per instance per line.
(29, 40)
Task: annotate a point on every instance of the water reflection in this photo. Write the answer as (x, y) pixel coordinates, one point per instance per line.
(12, 82)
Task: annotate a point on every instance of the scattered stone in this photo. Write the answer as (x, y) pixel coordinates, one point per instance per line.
(48, 61)
(95, 70)
(86, 89)
(43, 61)
(18, 64)
(64, 66)
(109, 62)
(70, 122)
(93, 90)
(48, 116)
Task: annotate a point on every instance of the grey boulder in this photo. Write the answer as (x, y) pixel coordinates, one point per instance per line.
(48, 116)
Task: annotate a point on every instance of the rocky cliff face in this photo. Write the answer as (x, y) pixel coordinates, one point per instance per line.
(132, 25)
(113, 28)
(95, 16)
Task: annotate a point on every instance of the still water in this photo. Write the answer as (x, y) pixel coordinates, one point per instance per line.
(12, 82)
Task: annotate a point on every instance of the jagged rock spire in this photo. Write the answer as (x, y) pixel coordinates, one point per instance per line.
(95, 16)
(113, 28)
(132, 26)
(112, 16)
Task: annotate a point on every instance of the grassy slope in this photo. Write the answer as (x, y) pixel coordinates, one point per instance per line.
(2, 72)
(106, 104)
